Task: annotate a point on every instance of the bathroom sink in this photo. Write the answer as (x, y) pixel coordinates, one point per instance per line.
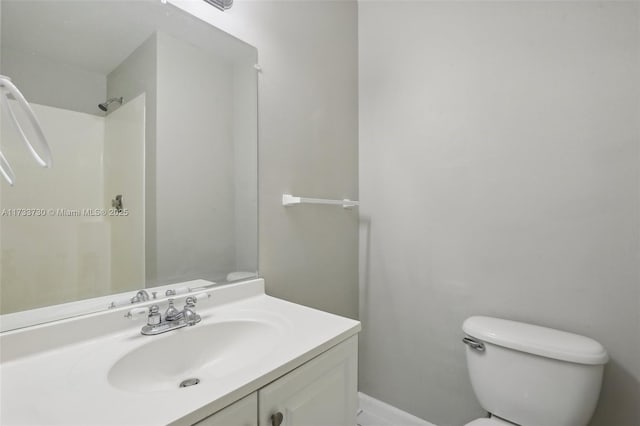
(194, 355)
(107, 371)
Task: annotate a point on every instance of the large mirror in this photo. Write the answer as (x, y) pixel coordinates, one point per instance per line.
(151, 115)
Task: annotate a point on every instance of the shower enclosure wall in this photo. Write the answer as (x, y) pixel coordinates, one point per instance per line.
(64, 213)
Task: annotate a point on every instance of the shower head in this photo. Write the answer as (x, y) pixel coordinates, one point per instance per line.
(105, 105)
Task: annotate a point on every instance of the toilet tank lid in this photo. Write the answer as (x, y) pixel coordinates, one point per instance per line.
(533, 339)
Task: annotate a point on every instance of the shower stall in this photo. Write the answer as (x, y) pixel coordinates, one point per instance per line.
(81, 240)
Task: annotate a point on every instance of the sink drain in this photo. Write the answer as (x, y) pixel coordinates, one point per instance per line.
(189, 382)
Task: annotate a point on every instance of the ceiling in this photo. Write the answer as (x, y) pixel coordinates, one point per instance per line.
(98, 35)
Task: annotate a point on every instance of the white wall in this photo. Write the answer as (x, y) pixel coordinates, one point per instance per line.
(137, 74)
(80, 256)
(123, 158)
(499, 174)
(308, 143)
(50, 82)
(72, 252)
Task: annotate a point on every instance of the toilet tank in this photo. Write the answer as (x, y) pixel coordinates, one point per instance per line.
(531, 375)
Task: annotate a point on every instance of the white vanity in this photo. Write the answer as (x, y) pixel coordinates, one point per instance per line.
(259, 361)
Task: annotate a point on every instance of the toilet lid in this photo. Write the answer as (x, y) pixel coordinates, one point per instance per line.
(493, 421)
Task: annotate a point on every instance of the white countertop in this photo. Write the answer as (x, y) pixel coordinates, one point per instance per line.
(45, 383)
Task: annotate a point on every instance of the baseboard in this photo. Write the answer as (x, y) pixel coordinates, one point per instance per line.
(377, 413)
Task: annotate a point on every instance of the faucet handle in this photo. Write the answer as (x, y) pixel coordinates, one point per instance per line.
(189, 312)
(154, 318)
(190, 302)
(136, 313)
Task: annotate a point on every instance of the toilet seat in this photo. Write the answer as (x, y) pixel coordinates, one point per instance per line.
(492, 421)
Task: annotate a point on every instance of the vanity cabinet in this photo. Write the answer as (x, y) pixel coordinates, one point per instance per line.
(321, 392)
(240, 413)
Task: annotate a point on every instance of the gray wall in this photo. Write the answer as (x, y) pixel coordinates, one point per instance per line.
(51, 82)
(195, 192)
(499, 147)
(245, 110)
(196, 233)
(308, 143)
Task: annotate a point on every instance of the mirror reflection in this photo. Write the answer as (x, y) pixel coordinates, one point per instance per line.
(154, 181)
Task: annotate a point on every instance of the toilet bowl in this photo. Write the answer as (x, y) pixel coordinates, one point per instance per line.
(529, 375)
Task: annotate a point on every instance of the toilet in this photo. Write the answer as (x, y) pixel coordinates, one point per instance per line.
(528, 375)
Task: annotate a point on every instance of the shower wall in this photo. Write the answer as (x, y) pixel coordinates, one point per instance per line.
(137, 75)
(79, 255)
(72, 251)
(124, 161)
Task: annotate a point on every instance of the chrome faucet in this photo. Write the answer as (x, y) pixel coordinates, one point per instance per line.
(141, 296)
(173, 318)
(172, 314)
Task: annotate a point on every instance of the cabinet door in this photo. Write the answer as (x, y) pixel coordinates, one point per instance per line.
(240, 413)
(322, 392)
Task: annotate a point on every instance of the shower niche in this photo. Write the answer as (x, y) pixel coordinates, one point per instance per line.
(151, 115)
